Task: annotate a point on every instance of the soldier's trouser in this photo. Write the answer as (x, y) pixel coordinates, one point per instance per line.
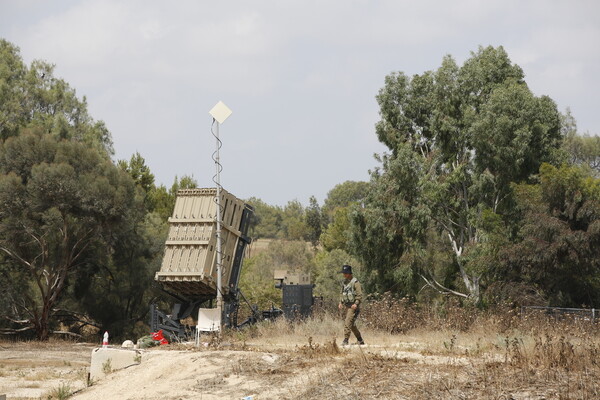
(350, 323)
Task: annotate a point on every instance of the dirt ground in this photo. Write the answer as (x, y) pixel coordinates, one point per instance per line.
(258, 370)
(32, 370)
(398, 368)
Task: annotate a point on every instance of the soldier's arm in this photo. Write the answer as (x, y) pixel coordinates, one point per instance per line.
(358, 293)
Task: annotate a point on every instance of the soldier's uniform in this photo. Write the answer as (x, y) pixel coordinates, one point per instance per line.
(351, 294)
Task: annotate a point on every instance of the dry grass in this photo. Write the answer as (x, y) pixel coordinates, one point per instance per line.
(447, 353)
(54, 343)
(413, 352)
(42, 375)
(61, 392)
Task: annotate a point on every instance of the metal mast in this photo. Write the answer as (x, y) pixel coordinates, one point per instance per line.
(219, 221)
(220, 112)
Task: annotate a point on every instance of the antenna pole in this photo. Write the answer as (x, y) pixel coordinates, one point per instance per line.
(219, 219)
(220, 112)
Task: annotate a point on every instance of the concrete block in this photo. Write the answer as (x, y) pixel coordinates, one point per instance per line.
(107, 360)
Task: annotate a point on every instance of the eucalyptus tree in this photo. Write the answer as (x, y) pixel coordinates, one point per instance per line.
(457, 137)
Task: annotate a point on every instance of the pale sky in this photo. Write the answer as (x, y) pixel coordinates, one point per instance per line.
(300, 76)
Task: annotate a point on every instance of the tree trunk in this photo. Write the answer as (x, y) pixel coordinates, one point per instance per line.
(42, 332)
(42, 326)
(471, 282)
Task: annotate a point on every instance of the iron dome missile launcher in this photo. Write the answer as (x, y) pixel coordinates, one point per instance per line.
(189, 269)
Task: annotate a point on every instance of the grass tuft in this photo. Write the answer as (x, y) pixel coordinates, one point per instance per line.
(62, 392)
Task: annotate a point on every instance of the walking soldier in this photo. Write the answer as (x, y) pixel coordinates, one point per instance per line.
(350, 300)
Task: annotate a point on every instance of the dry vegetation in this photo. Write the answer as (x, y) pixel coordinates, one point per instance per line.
(412, 353)
(445, 353)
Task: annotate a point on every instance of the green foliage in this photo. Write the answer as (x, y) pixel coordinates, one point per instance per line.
(139, 171)
(458, 137)
(393, 220)
(559, 237)
(314, 221)
(292, 222)
(266, 220)
(514, 134)
(33, 98)
(585, 151)
(582, 150)
(162, 201)
(75, 235)
(256, 281)
(12, 79)
(186, 182)
(343, 195)
(117, 295)
(60, 203)
(327, 278)
(335, 213)
(337, 234)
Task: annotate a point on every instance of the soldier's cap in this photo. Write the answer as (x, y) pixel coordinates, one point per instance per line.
(346, 269)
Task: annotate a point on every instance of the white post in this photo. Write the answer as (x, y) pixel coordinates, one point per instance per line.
(219, 254)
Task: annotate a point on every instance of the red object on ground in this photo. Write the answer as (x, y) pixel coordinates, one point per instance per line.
(159, 337)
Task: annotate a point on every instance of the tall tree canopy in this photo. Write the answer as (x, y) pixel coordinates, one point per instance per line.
(33, 97)
(60, 203)
(457, 138)
(343, 195)
(67, 213)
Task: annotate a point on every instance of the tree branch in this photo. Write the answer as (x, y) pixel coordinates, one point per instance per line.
(30, 266)
(16, 321)
(435, 285)
(9, 331)
(76, 335)
(17, 257)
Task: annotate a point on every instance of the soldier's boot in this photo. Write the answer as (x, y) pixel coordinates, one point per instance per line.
(360, 341)
(345, 342)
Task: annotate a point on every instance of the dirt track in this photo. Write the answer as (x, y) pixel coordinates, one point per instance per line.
(205, 375)
(289, 371)
(276, 372)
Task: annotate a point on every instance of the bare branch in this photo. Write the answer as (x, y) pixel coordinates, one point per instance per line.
(16, 321)
(28, 264)
(75, 256)
(17, 257)
(10, 331)
(67, 333)
(441, 288)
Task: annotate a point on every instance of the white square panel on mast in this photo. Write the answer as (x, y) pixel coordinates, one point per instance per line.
(220, 112)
